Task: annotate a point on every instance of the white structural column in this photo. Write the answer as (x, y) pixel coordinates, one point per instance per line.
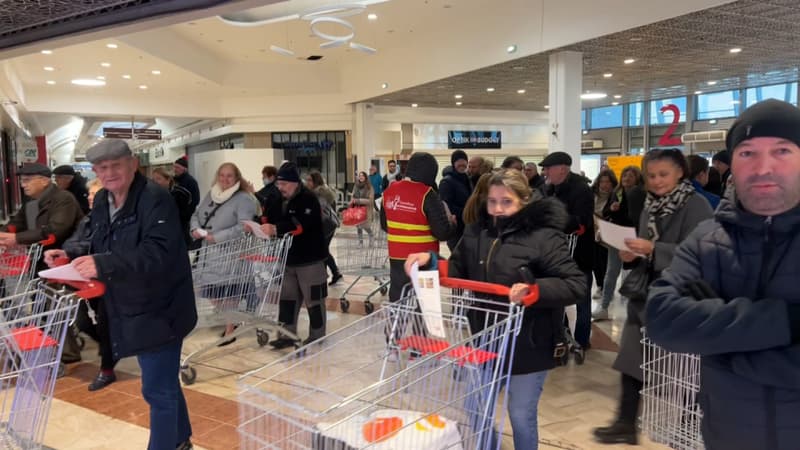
(566, 79)
(363, 134)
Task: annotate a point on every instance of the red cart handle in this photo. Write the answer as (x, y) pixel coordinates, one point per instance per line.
(49, 240)
(483, 287)
(83, 289)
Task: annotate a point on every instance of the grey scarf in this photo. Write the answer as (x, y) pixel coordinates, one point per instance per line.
(665, 206)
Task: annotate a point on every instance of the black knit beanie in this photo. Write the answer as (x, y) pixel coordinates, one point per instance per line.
(770, 118)
(288, 172)
(456, 155)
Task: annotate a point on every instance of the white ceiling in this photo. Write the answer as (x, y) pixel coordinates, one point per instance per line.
(210, 69)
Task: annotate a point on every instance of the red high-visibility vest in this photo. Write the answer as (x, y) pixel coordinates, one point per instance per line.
(407, 227)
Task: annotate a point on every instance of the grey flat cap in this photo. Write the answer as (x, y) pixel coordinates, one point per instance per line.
(108, 149)
(34, 169)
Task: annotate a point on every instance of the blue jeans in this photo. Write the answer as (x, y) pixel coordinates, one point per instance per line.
(613, 268)
(523, 406)
(169, 417)
(583, 324)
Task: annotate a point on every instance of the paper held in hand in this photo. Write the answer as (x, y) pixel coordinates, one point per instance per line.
(429, 298)
(256, 229)
(63, 273)
(615, 235)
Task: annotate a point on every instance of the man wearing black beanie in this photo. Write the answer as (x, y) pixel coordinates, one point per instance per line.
(414, 218)
(455, 190)
(731, 295)
(185, 180)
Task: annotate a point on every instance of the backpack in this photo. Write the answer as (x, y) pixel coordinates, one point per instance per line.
(330, 220)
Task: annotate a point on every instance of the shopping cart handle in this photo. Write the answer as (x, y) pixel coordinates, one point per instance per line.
(483, 287)
(83, 289)
(50, 240)
(581, 230)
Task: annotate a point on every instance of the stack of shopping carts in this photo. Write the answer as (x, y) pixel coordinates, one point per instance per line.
(18, 266)
(386, 382)
(671, 414)
(238, 281)
(362, 251)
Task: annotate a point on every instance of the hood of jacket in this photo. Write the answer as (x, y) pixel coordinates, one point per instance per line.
(544, 213)
(422, 167)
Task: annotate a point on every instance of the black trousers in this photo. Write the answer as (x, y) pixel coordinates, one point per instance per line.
(630, 399)
(97, 332)
(329, 260)
(599, 265)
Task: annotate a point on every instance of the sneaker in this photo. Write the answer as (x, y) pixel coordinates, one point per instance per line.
(102, 380)
(600, 314)
(337, 277)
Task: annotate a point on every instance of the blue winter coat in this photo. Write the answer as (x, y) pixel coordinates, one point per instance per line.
(748, 336)
(141, 257)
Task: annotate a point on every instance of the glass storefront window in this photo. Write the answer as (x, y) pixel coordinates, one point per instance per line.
(786, 92)
(718, 105)
(636, 114)
(606, 117)
(659, 118)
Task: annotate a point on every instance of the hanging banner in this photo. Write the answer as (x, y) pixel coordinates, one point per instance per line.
(473, 139)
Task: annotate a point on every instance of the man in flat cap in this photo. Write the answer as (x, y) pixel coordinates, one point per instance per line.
(572, 190)
(68, 180)
(731, 293)
(139, 253)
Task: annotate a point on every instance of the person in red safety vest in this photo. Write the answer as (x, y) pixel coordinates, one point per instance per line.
(414, 218)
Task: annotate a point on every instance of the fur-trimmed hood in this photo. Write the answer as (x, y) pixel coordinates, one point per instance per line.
(543, 213)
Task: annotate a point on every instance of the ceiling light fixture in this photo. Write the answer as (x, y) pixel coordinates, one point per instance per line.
(459, 103)
(458, 96)
(51, 82)
(711, 83)
(142, 86)
(735, 50)
(489, 89)
(520, 91)
(101, 77)
(111, 45)
(47, 52)
(546, 106)
(698, 92)
(281, 50)
(712, 121)
(414, 105)
(617, 96)
(594, 95)
(126, 76)
(88, 82)
(384, 85)
(511, 48)
(614, 103)
(608, 75)
(585, 132)
(372, 16)
(629, 61)
(155, 72)
(105, 64)
(49, 68)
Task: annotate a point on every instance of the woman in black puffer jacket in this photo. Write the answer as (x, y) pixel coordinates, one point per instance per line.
(518, 229)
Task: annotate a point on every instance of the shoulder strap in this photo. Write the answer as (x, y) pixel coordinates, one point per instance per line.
(208, 218)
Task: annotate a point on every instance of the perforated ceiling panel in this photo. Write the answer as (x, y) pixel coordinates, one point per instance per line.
(26, 21)
(673, 57)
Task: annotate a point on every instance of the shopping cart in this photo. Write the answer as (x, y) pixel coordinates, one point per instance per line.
(670, 412)
(362, 256)
(386, 382)
(18, 265)
(571, 312)
(32, 330)
(238, 281)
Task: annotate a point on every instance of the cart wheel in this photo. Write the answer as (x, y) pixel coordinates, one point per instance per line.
(564, 359)
(188, 375)
(62, 370)
(345, 304)
(262, 337)
(369, 307)
(580, 356)
(80, 341)
(384, 290)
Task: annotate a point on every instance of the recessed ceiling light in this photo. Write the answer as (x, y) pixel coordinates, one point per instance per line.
(111, 45)
(618, 97)
(105, 64)
(518, 68)
(126, 76)
(698, 92)
(614, 103)
(458, 96)
(88, 82)
(101, 77)
(414, 105)
(712, 83)
(712, 121)
(384, 85)
(546, 106)
(594, 95)
(458, 103)
(489, 89)
(51, 82)
(608, 75)
(49, 68)
(372, 16)
(520, 91)
(511, 48)
(735, 50)
(636, 39)
(142, 86)
(155, 72)
(47, 52)
(585, 132)
(629, 61)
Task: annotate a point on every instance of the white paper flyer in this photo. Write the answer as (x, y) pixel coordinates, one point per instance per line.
(429, 297)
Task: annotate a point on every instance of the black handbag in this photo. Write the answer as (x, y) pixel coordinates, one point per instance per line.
(635, 286)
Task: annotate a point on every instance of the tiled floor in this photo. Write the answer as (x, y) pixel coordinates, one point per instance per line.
(575, 399)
